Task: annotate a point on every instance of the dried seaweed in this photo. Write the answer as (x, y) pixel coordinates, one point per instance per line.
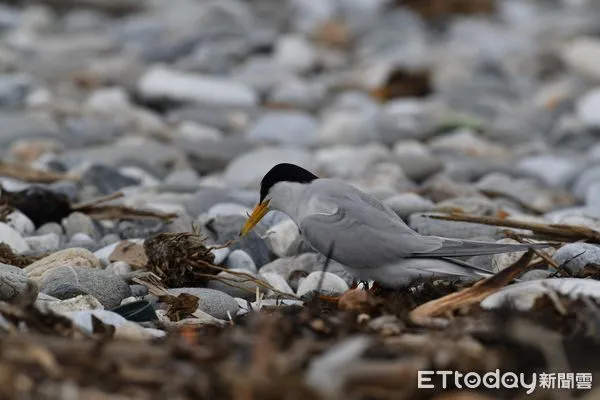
(179, 259)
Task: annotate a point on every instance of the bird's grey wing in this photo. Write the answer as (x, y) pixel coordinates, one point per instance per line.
(461, 248)
(360, 235)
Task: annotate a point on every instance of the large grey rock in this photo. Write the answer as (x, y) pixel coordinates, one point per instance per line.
(64, 282)
(15, 286)
(416, 160)
(214, 302)
(161, 83)
(575, 256)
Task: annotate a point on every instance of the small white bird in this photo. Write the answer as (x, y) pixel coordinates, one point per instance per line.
(363, 234)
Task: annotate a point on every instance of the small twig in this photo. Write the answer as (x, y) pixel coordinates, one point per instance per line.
(96, 201)
(26, 173)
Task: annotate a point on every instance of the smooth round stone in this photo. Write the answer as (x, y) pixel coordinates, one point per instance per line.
(283, 127)
(78, 222)
(406, 204)
(329, 284)
(585, 180)
(63, 282)
(161, 83)
(583, 55)
(248, 170)
(349, 127)
(284, 239)
(310, 15)
(15, 285)
(82, 240)
(138, 290)
(349, 161)
(213, 302)
(587, 108)
(12, 238)
(552, 170)
(228, 209)
(592, 196)
(402, 119)
(119, 268)
(220, 255)
(108, 101)
(297, 93)
(240, 260)
(278, 283)
(304, 264)
(295, 53)
(575, 256)
(184, 178)
(535, 274)
(194, 131)
(20, 223)
(50, 227)
(243, 288)
(43, 243)
(416, 160)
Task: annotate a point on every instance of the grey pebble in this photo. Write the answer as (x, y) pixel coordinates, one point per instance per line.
(575, 256)
(239, 259)
(65, 281)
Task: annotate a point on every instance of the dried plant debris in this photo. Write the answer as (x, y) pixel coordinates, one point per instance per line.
(312, 352)
(180, 306)
(179, 259)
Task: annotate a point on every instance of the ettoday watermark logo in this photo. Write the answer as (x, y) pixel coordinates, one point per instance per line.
(505, 380)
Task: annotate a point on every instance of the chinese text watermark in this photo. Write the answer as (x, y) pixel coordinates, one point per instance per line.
(506, 380)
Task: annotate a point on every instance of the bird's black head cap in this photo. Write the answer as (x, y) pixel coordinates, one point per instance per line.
(284, 172)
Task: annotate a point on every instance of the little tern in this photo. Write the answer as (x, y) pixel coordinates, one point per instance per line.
(365, 235)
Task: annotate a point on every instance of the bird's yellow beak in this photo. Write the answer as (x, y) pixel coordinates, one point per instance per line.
(257, 214)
